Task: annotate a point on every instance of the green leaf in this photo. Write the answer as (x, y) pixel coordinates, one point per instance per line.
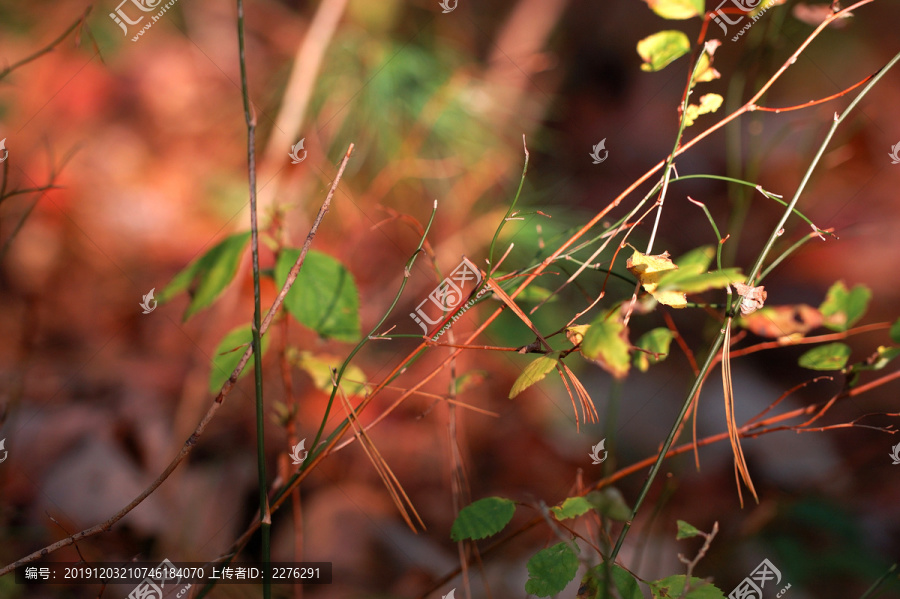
(535, 294)
(881, 358)
(482, 518)
(206, 277)
(895, 331)
(673, 586)
(668, 282)
(676, 9)
(572, 507)
(686, 282)
(826, 357)
(697, 260)
(686, 531)
(606, 342)
(704, 70)
(551, 569)
(319, 368)
(660, 49)
(592, 584)
(468, 380)
(610, 503)
(324, 296)
(843, 307)
(534, 372)
(656, 341)
(228, 353)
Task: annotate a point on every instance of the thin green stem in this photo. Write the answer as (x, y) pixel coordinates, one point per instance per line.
(768, 194)
(276, 306)
(757, 55)
(611, 273)
(717, 343)
(878, 583)
(612, 416)
(806, 176)
(264, 515)
(784, 255)
(611, 232)
(734, 162)
(670, 161)
(668, 443)
(510, 210)
(314, 448)
(715, 229)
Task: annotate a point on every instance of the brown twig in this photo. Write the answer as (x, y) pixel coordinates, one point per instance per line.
(330, 447)
(681, 342)
(290, 428)
(211, 412)
(787, 393)
(49, 48)
(878, 326)
(814, 102)
(392, 484)
(747, 431)
(298, 92)
(691, 564)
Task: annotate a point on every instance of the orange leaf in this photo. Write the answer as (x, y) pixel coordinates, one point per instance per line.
(783, 322)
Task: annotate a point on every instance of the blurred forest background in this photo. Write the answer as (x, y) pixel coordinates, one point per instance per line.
(96, 398)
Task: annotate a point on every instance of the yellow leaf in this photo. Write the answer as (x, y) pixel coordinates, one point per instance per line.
(705, 70)
(649, 269)
(575, 334)
(708, 103)
(321, 368)
(606, 343)
(671, 298)
(661, 48)
(676, 9)
(534, 372)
